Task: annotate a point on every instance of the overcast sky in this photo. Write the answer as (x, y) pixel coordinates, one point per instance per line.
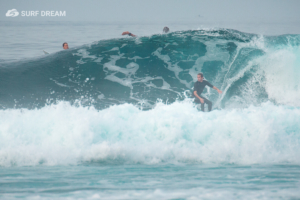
(216, 13)
(160, 10)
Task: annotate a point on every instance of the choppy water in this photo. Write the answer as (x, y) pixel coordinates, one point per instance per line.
(151, 182)
(114, 119)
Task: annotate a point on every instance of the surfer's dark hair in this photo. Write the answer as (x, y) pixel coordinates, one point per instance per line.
(64, 44)
(201, 74)
(166, 29)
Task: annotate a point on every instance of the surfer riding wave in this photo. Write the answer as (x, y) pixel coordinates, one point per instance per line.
(198, 89)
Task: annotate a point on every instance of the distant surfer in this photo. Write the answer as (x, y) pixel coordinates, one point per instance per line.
(166, 29)
(128, 33)
(65, 45)
(198, 89)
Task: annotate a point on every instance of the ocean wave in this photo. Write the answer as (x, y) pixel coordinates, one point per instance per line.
(249, 68)
(177, 133)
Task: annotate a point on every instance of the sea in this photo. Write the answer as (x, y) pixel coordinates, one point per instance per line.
(113, 117)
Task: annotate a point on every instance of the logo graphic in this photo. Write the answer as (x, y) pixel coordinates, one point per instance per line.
(35, 13)
(12, 13)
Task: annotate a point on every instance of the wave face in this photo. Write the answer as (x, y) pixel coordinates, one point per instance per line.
(250, 69)
(85, 105)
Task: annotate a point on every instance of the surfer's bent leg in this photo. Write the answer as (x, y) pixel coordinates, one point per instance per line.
(197, 101)
(209, 103)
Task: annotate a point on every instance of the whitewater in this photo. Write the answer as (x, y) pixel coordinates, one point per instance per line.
(115, 119)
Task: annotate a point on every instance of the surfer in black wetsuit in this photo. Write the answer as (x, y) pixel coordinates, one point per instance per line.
(65, 45)
(198, 89)
(128, 33)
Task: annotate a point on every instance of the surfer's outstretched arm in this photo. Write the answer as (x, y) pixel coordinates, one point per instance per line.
(219, 91)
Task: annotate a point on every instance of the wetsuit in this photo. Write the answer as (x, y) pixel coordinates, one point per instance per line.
(199, 87)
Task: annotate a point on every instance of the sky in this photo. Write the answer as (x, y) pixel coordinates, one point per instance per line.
(269, 14)
(160, 10)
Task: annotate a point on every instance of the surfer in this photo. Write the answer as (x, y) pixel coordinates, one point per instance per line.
(65, 45)
(128, 33)
(166, 29)
(198, 89)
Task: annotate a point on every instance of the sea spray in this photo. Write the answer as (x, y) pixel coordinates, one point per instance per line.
(63, 134)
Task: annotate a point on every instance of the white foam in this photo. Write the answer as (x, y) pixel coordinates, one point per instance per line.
(63, 134)
(282, 74)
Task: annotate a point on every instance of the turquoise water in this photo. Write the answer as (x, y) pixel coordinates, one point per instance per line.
(114, 118)
(95, 181)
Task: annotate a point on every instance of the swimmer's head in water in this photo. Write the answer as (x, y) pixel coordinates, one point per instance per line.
(65, 45)
(200, 77)
(166, 29)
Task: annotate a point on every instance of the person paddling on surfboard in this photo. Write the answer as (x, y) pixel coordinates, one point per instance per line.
(65, 45)
(128, 33)
(198, 89)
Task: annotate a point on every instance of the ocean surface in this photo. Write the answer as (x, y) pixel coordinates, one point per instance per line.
(113, 116)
